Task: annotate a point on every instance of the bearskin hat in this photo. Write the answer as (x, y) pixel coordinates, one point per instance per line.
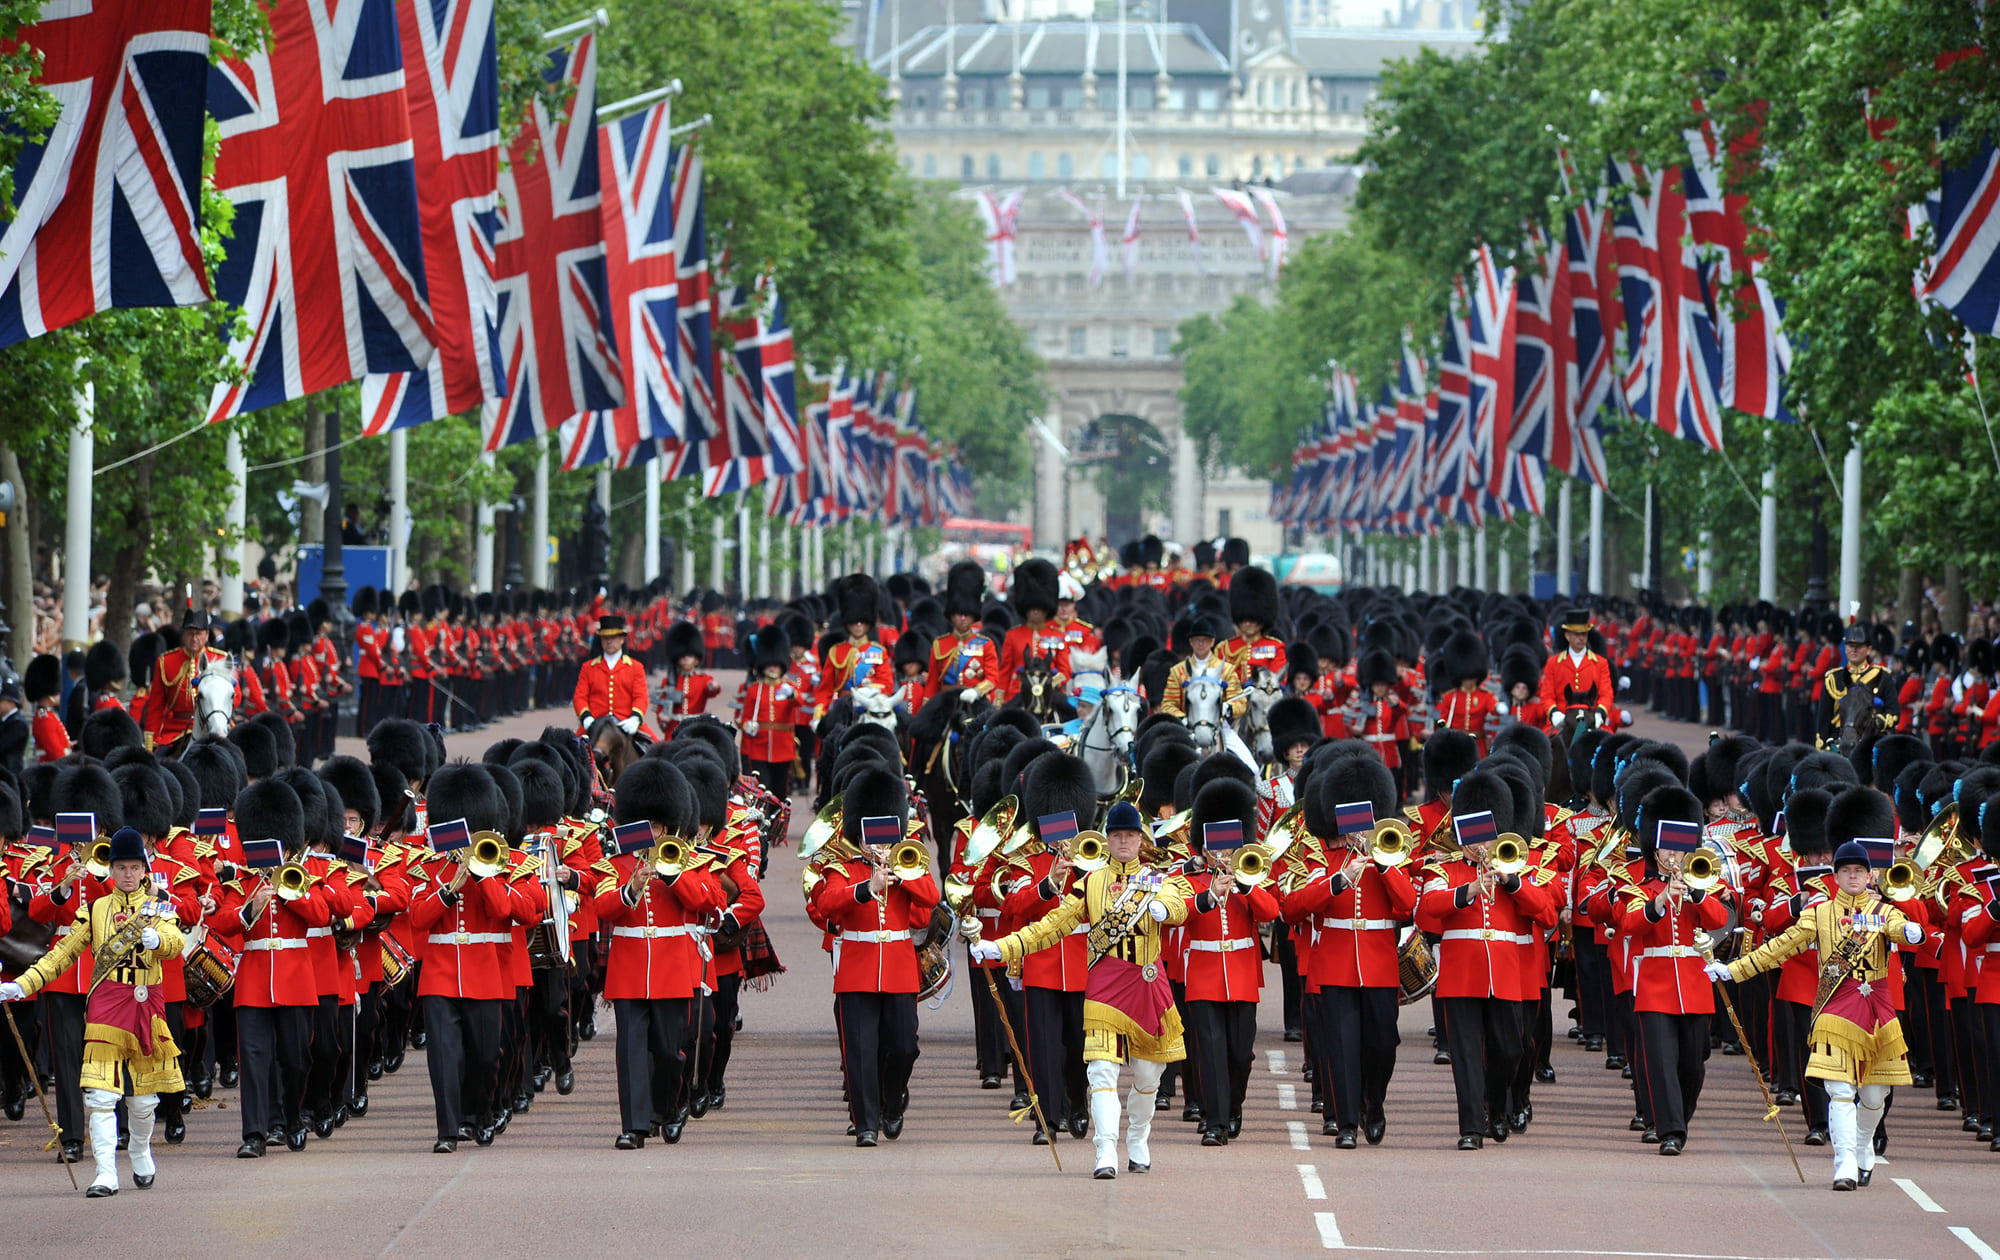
(43, 681)
(107, 730)
(13, 818)
(1531, 740)
(349, 776)
(1163, 764)
(1209, 769)
(1376, 666)
(1830, 771)
(1483, 791)
(1018, 759)
(857, 598)
(465, 790)
(1235, 553)
(705, 776)
(1224, 800)
(1665, 804)
(321, 830)
(717, 738)
(283, 743)
(683, 638)
(1448, 757)
(143, 798)
(88, 789)
(1300, 658)
(401, 743)
(1058, 783)
(1462, 656)
(259, 748)
(1892, 753)
(143, 655)
(186, 790)
(1524, 780)
(1152, 551)
(1521, 665)
(271, 633)
(1034, 586)
(1633, 785)
(542, 794)
(1253, 596)
(964, 589)
(509, 784)
(1805, 821)
(397, 812)
(1204, 554)
(269, 810)
(1343, 782)
(771, 647)
(912, 648)
(1580, 752)
(1671, 756)
(217, 769)
(1858, 812)
(103, 665)
(1293, 721)
(873, 793)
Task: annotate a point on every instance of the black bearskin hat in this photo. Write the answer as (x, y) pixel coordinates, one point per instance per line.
(858, 599)
(541, 793)
(705, 776)
(216, 769)
(1055, 783)
(404, 744)
(1375, 666)
(397, 810)
(1448, 757)
(684, 639)
(103, 665)
(1253, 596)
(351, 778)
(1163, 765)
(1293, 721)
(1892, 753)
(1520, 665)
(964, 589)
(284, 744)
(1462, 656)
(1531, 740)
(769, 647)
(1859, 812)
(717, 739)
(465, 790)
(1300, 658)
(259, 748)
(873, 793)
(271, 633)
(1483, 791)
(1805, 821)
(107, 730)
(143, 796)
(1350, 779)
(1235, 553)
(88, 789)
(1671, 803)
(1034, 587)
(912, 648)
(143, 655)
(269, 810)
(1224, 800)
(43, 681)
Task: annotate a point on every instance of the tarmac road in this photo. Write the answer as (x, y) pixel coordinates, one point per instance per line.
(773, 1174)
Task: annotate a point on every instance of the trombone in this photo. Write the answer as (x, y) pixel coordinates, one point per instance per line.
(1508, 856)
(1090, 852)
(1390, 843)
(487, 856)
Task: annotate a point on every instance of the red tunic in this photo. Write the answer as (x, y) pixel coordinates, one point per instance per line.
(874, 951)
(1485, 946)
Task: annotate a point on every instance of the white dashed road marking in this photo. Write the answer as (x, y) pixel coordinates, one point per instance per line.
(1299, 1142)
(1917, 1195)
(1329, 1232)
(1972, 1240)
(1288, 1098)
(1277, 1058)
(1309, 1176)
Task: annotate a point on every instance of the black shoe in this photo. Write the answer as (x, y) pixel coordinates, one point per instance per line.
(375, 1070)
(1106, 1173)
(630, 1140)
(276, 1136)
(1670, 1146)
(203, 1087)
(16, 1108)
(464, 1133)
(1079, 1125)
(1815, 1137)
(1041, 1137)
(229, 1076)
(1947, 1103)
(1861, 1178)
(100, 1192)
(1345, 1141)
(1319, 1106)
(296, 1139)
(1134, 1166)
(1732, 1048)
(1545, 1075)
(892, 1127)
(589, 1029)
(252, 1148)
(1191, 1113)
(1165, 1102)
(499, 1124)
(698, 1105)
(1519, 1120)
(1968, 1125)
(1626, 1071)
(1651, 1136)
(359, 1107)
(1994, 1145)
(1470, 1142)
(850, 1130)
(176, 1132)
(1329, 1127)
(1235, 1126)
(671, 1130)
(989, 1081)
(1593, 1045)
(1497, 1130)
(566, 1083)
(1372, 1131)
(393, 1062)
(1019, 1100)
(145, 1180)
(323, 1127)
(1442, 1058)
(1637, 1124)
(444, 1146)
(486, 1134)
(1843, 1183)
(418, 1038)
(1613, 1062)
(865, 1138)
(1214, 1137)
(1786, 1098)
(1881, 1141)
(1922, 1080)
(1293, 1034)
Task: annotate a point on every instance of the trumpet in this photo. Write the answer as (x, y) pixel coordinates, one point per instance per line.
(1508, 856)
(1090, 852)
(487, 856)
(909, 859)
(1899, 882)
(1700, 871)
(1391, 844)
(1252, 865)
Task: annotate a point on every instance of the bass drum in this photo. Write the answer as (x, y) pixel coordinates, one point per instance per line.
(1416, 967)
(934, 956)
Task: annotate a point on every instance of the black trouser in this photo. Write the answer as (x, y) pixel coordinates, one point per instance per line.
(1628, 1040)
(720, 1034)
(1055, 1047)
(1314, 1042)
(1959, 1014)
(1771, 717)
(651, 1066)
(400, 1006)
(585, 981)
(1673, 1054)
(548, 1019)
(462, 1051)
(1537, 1031)
(1227, 1043)
(367, 704)
(1189, 1067)
(1285, 953)
(1485, 1039)
(1923, 1023)
(1753, 1007)
(776, 776)
(989, 1039)
(1593, 982)
(1017, 1017)
(332, 1048)
(274, 1047)
(1984, 1019)
(510, 1080)
(1358, 1026)
(1792, 1033)
(367, 1036)
(878, 1038)
(63, 1020)
(17, 1075)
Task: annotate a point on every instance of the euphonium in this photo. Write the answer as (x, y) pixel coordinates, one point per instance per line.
(1508, 856)
(1252, 865)
(1899, 882)
(1390, 844)
(991, 830)
(824, 829)
(488, 855)
(909, 859)
(1089, 853)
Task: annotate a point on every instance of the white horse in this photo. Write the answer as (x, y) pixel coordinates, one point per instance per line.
(1201, 701)
(1089, 672)
(1104, 741)
(873, 705)
(1259, 694)
(215, 696)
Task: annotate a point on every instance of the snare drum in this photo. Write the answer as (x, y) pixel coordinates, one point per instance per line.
(210, 971)
(1416, 968)
(396, 961)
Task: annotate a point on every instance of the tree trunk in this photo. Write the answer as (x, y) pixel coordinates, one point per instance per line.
(128, 563)
(313, 471)
(466, 553)
(1909, 595)
(632, 561)
(17, 569)
(1953, 613)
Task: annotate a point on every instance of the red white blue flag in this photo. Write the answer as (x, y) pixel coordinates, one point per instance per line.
(1675, 367)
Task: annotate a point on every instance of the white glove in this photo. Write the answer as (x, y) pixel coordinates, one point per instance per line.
(1557, 717)
(1501, 708)
(1158, 910)
(11, 992)
(969, 696)
(1717, 970)
(984, 951)
(630, 725)
(1913, 934)
(150, 938)
(749, 728)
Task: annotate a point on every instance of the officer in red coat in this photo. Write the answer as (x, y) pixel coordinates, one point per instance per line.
(170, 700)
(1035, 595)
(1579, 677)
(769, 710)
(859, 660)
(611, 684)
(1225, 961)
(966, 659)
(1253, 608)
(876, 979)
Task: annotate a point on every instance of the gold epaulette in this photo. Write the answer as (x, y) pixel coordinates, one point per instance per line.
(604, 867)
(1563, 814)
(608, 884)
(530, 865)
(204, 848)
(187, 873)
(1415, 813)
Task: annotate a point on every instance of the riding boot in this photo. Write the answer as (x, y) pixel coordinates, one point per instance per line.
(103, 1129)
(1139, 1113)
(1867, 1118)
(1841, 1128)
(1103, 1077)
(140, 1148)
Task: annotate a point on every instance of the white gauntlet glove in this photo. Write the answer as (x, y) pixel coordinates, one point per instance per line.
(1158, 910)
(150, 938)
(629, 725)
(969, 696)
(11, 992)
(1717, 970)
(984, 951)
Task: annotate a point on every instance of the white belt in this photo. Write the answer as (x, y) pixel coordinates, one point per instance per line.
(654, 931)
(275, 942)
(877, 938)
(470, 938)
(1380, 737)
(1359, 925)
(1993, 948)
(1081, 929)
(312, 932)
(1487, 934)
(987, 914)
(1671, 951)
(1221, 947)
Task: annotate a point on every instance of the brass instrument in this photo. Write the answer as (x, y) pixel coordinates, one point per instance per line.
(991, 831)
(488, 855)
(1941, 841)
(1391, 844)
(1252, 865)
(909, 859)
(1699, 870)
(669, 856)
(97, 859)
(1090, 852)
(1899, 882)
(1020, 846)
(1508, 856)
(1285, 831)
(821, 845)
(291, 881)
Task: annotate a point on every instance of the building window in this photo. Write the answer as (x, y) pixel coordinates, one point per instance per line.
(1298, 93)
(966, 169)
(1346, 103)
(969, 96)
(1212, 167)
(1077, 340)
(1277, 167)
(1107, 166)
(1036, 168)
(1065, 166)
(1176, 98)
(1072, 98)
(909, 164)
(1142, 98)
(1256, 168)
(1210, 100)
(1121, 343)
(1260, 94)
(1038, 98)
(923, 100)
(1163, 342)
(1222, 523)
(1142, 166)
(930, 166)
(993, 166)
(1185, 166)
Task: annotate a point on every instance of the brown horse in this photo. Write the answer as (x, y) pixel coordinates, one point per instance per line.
(611, 750)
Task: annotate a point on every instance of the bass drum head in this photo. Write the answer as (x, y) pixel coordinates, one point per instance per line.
(1416, 967)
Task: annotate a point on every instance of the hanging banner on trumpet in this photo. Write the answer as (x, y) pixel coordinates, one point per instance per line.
(449, 837)
(1354, 817)
(1476, 828)
(1222, 837)
(884, 829)
(631, 837)
(354, 849)
(263, 853)
(212, 822)
(1057, 828)
(76, 828)
(1881, 851)
(1679, 837)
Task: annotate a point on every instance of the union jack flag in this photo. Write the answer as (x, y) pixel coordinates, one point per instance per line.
(636, 163)
(1750, 320)
(1492, 330)
(1548, 428)
(557, 343)
(107, 206)
(454, 94)
(1590, 350)
(1456, 485)
(702, 415)
(327, 263)
(1675, 362)
(1964, 273)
